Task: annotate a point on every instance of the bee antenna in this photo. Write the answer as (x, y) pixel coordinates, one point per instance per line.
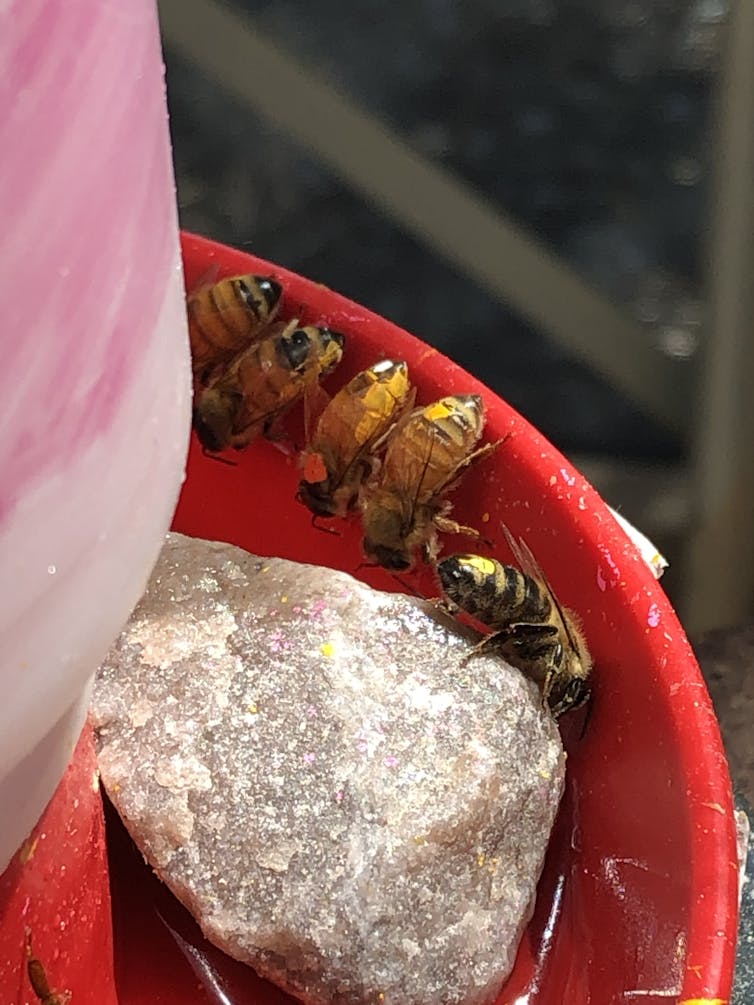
(407, 586)
(367, 565)
(324, 528)
(216, 457)
(587, 716)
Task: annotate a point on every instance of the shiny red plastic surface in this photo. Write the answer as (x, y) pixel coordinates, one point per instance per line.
(56, 886)
(638, 899)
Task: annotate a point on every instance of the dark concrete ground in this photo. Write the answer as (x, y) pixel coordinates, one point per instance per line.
(727, 661)
(587, 122)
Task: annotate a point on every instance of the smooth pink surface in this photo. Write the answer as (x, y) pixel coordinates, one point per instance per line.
(80, 88)
(95, 385)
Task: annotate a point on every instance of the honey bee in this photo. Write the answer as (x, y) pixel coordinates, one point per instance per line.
(225, 317)
(529, 627)
(426, 455)
(341, 454)
(38, 979)
(262, 383)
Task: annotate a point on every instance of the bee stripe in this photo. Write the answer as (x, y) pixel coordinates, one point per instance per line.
(438, 410)
(219, 315)
(246, 295)
(513, 593)
(206, 333)
(485, 566)
(535, 600)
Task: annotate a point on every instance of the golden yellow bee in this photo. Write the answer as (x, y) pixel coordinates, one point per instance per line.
(262, 383)
(38, 979)
(348, 434)
(426, 455)
(529, 627)
(226, 317)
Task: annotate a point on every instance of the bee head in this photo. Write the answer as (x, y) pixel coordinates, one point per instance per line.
(332, 349)
(393, 559)
(568, 694)
(213, 419)
(317, 496)
(295, 346)
(385, 533)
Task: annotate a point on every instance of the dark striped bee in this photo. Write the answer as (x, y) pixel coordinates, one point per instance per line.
(226, 317)
(341, 453)
(262, 383)
(529, 627)
(425, 457)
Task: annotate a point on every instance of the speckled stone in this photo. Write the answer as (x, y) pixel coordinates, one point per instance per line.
(334, 796)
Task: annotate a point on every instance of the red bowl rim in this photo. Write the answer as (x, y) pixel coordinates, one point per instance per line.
(713, 916)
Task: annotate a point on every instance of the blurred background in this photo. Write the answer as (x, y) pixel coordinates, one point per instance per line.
(555, 193)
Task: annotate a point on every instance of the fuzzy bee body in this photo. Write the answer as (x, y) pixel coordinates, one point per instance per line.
(494, 593)
(341, 453)
(262, 383)
(529, 626)
(425, 457)
(227, 316)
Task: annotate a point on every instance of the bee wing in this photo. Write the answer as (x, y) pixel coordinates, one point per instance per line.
(529, 565)
(410, 484)
(377, 442)
(280, 328)
(396, 424)
(207, 278)
(316, 400)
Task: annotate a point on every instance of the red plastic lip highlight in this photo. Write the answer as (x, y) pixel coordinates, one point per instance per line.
(56, 886)
(639, 891)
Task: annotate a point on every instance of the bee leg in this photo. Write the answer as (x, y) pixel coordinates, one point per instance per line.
(38, 979)
(477, 455)
(486, 449)
(480, 453)
(451, 527)
(576, 694)
(443, 606)
(489, 641)
(547, 690)
(37, 975)
(518, 634)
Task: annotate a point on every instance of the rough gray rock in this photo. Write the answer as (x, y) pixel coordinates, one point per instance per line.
(333, 795)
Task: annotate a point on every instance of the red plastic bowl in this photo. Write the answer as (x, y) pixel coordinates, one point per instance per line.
(638, 899)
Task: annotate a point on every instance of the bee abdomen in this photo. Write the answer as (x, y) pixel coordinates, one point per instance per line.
(456, 420)
(477, 585)
(495, 594)
(535, 604)
(223, 316)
